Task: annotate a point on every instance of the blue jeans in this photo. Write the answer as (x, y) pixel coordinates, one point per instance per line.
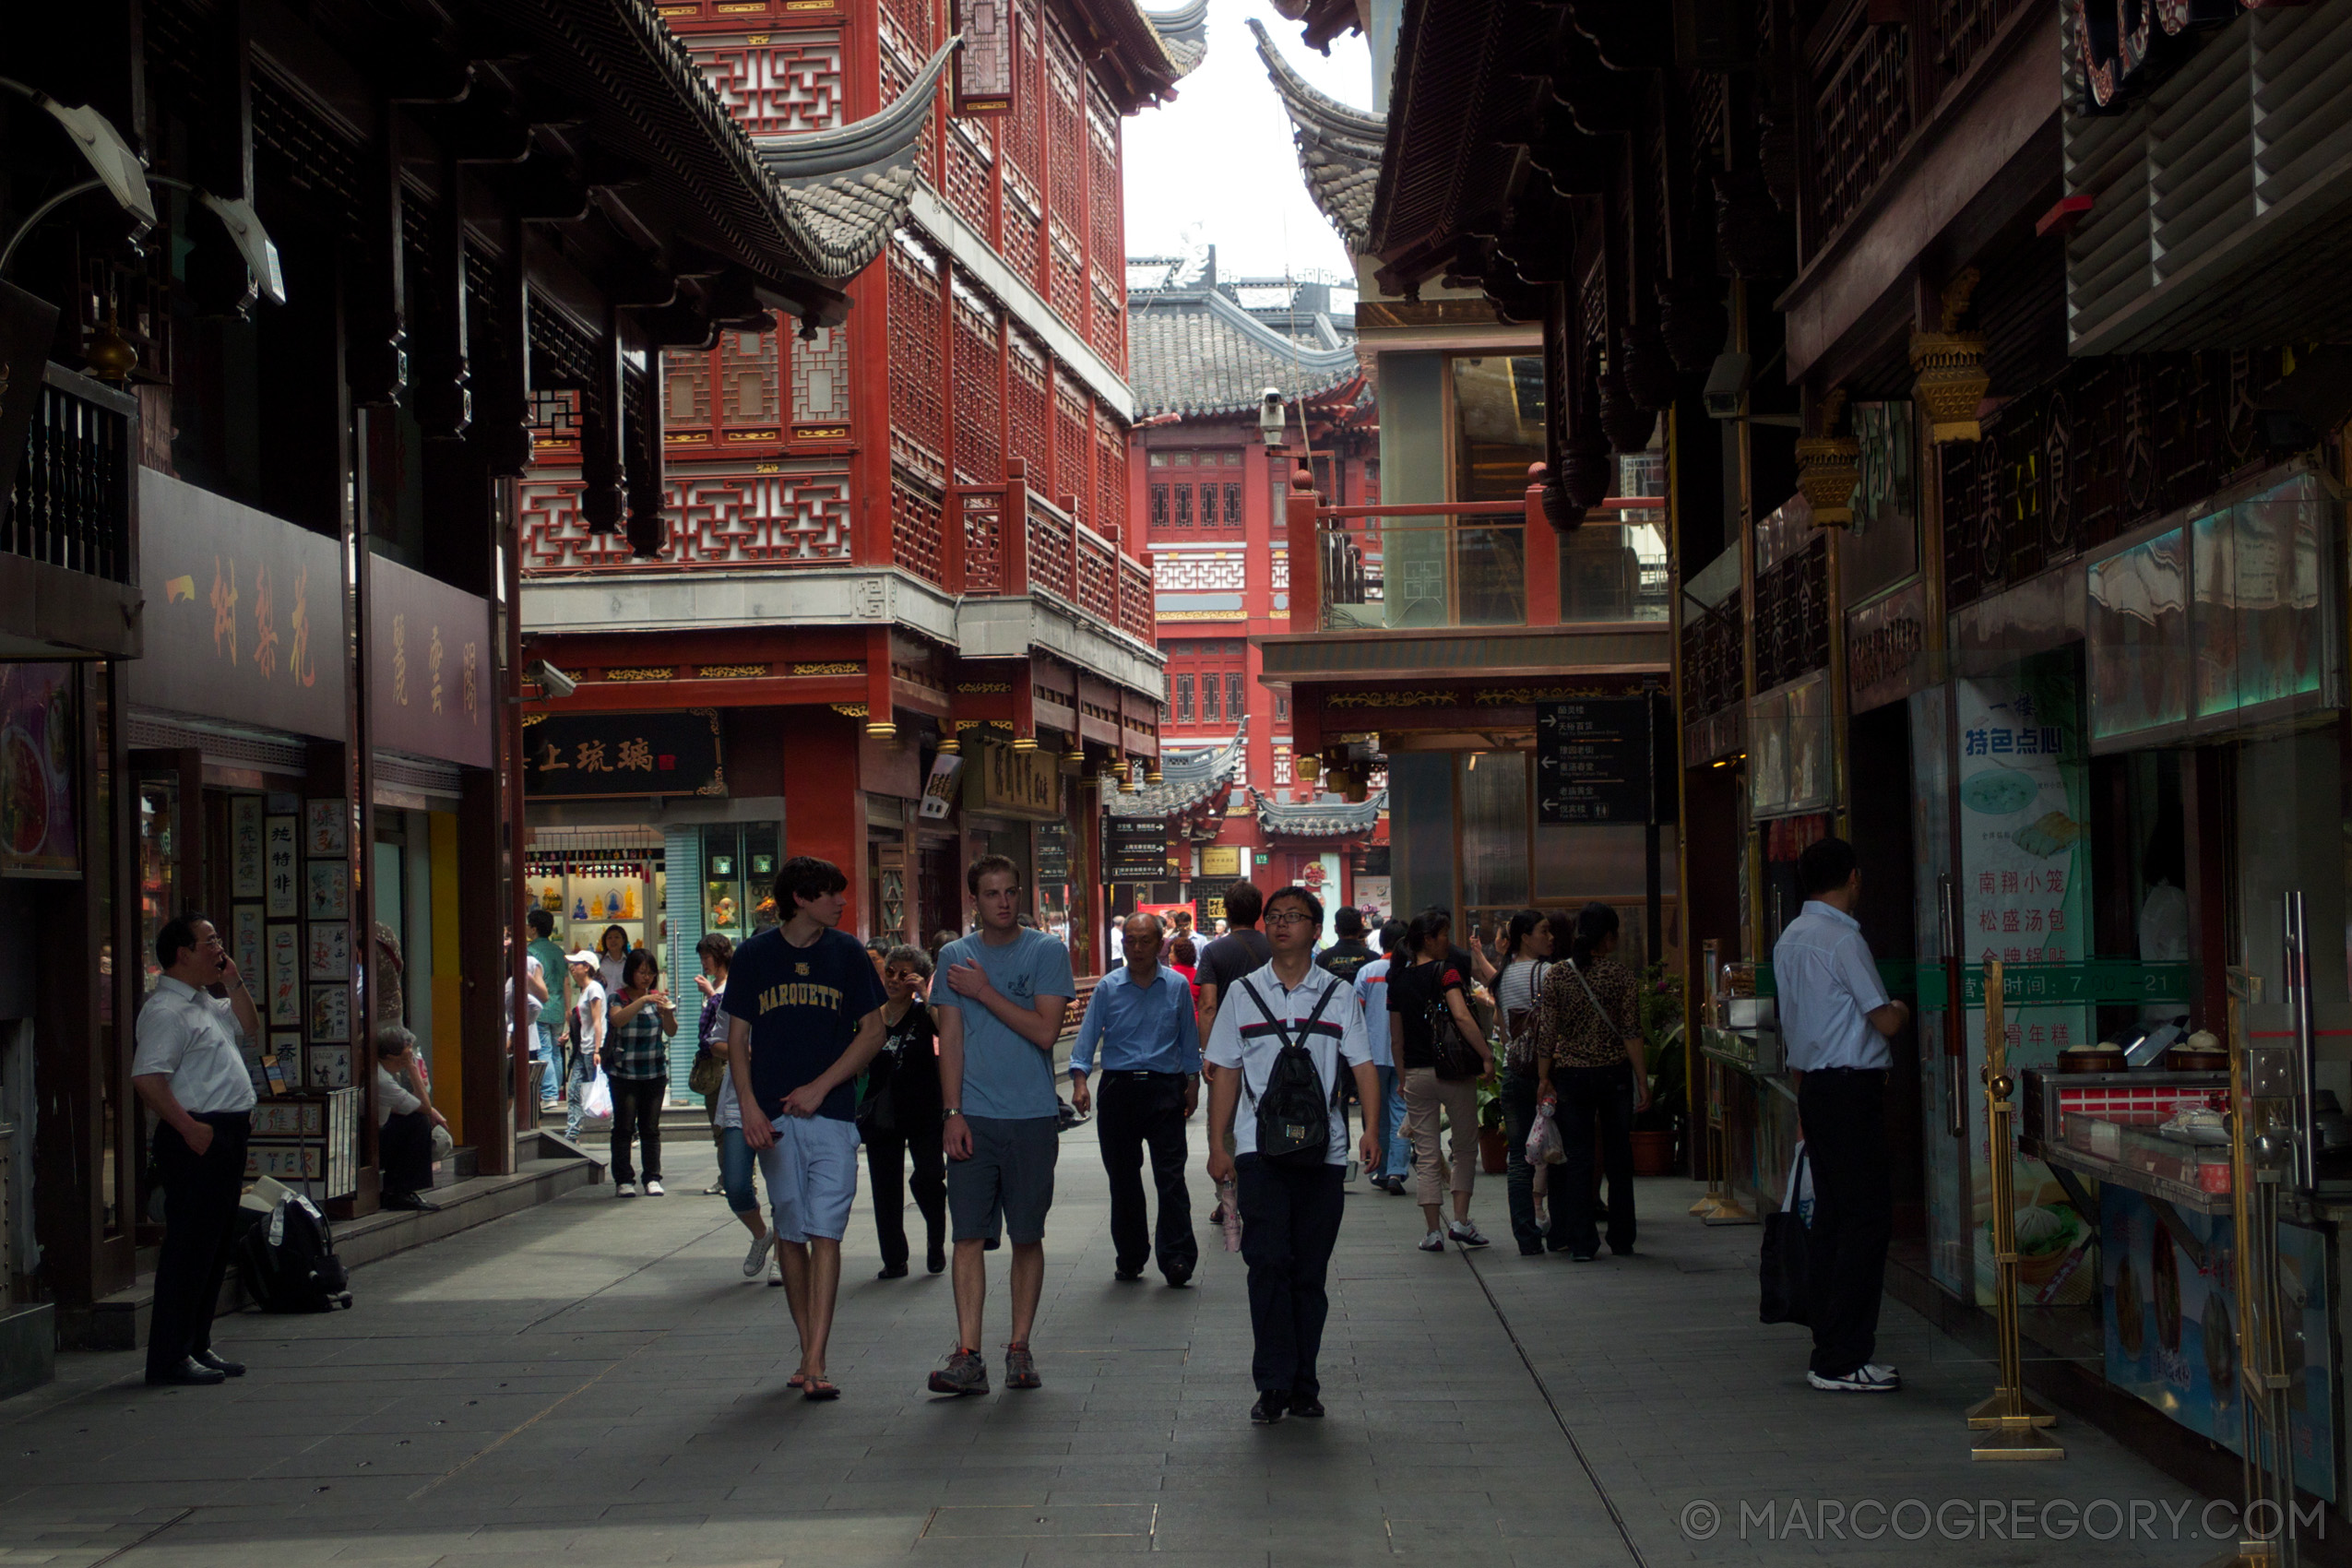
(735, 1162)
(550, 1077)
(575, 1084)
(1396, 1155)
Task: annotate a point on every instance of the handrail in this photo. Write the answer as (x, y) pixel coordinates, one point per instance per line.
(1483, 509)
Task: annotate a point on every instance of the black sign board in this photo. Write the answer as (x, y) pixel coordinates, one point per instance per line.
(613, 756)
(1052, 853)
(1134, 848)
(1594, 760)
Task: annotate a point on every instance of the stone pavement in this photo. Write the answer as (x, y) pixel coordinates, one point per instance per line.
(593, 1383)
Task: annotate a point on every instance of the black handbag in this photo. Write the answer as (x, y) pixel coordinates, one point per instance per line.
(1786, 1270)
(1456, 1059)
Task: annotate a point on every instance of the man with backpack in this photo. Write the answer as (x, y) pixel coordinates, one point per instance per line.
(1285, 1033)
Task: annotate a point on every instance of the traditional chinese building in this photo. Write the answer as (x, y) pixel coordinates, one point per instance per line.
(1206, 349)
(284, 289)
(890, 556)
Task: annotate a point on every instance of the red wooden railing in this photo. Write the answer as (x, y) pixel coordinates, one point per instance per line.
(1008, 540)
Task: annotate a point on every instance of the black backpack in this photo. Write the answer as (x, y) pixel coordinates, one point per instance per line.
(286, 1261)
(1294, 1113)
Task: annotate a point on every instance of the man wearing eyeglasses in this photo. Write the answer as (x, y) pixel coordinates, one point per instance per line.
(1140, 1021)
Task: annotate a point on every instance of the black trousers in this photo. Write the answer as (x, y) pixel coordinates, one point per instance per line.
(1844, 1112)
(636, 1114)
(1590, 1099)
(1290, 1223)
(404, 1149)
(1518, 1120)
(1134, 1112)
(886, 1173)
(199, 1208)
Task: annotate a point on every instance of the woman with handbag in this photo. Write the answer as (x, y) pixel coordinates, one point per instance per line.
(708, 1075)
(1589, 1060)
(636, 1059)
(898, 1115)
(1526, 956)
(1440, 1050)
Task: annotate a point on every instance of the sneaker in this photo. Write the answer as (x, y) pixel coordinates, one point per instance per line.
(1020, 1368)
(714, 1190)
(1395, 1186)
(653, 1187)
(964, 1374)
(762, 1251)
(1867, 1378)
(776, 1270)
(625, 1190)
(1272, 1406)
(1464, 1234)
(1432, 1243)
(1308, 1408)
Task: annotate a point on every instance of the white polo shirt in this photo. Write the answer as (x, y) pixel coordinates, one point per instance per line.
(1828, 987)
(1246, 1038)
(192, 1039)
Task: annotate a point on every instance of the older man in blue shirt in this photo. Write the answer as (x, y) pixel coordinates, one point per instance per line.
(1140, 1021)
(1837, 1019)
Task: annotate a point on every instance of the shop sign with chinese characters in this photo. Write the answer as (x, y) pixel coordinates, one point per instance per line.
(429, 670)
(619, 755)
(1009, 783)
(245, 613)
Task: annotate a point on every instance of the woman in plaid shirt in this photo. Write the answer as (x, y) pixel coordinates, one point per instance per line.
(638, 1062)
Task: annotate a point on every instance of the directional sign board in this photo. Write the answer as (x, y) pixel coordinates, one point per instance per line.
(1593, 760)
(1134, 848)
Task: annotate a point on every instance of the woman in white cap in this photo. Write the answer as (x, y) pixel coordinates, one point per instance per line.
(588, 1036)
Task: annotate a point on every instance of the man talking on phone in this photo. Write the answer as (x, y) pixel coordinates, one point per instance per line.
(190, 1072)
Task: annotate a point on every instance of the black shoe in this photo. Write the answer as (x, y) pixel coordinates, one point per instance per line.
(1581, 1257)
(1272, 1406)
(1177, 1281)
(1122, 1277)
(415, 1202)
(935, 1259)
(190, 1371)
(1531, 1249)
(218, 1363)
(1617, 1252)
(892, 1271)
(1308, 1408)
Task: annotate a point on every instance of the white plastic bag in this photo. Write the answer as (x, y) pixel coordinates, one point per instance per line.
(1799, 1188)
(1543, 1139)
(597, 1099)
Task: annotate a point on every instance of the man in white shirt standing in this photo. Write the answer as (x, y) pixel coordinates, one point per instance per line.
(190, 1070)
(1836, 1020)
(1290, 1205)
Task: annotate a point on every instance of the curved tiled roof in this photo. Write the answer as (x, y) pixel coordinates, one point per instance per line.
(1184, 32)
(1193, 350)
(1340, 146)
(850, 185)
(1187, 779)
(1319, 819)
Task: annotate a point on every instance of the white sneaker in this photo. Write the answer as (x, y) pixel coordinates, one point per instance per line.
(653, 1187)
(625, 1190)
(775, 1270)
(1869, 1378)
(1464, 1234)
(762, 1251)
(1433, 1242)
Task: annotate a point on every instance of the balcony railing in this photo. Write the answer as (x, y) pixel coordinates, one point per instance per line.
(71, 504)
(1047, 550)
(1485, 563)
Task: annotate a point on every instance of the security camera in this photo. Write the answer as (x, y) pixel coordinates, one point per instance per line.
(1727, 388)
(550, 680)
(1270, 415)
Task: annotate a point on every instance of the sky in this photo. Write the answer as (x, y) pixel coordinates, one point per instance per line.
(1218, 167)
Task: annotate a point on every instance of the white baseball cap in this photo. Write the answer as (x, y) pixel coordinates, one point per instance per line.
(582, 957)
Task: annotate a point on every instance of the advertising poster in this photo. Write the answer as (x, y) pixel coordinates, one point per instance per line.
(2024, 899)
(37, 755)
(2172, 1327)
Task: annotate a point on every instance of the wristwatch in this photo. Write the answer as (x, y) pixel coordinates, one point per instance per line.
(951, 1111)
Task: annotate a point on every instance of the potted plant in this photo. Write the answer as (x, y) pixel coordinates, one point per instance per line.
(1657, 1131)
(1494, 1143)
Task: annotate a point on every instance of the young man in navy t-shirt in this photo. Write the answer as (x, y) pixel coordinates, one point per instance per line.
(803, 1018)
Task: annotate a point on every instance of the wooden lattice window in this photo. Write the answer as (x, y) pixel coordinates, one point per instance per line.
(915, 532)
(979, 441)
(1111, 474)
(1185, 699)
(1070, 444)
(918, 434)
(1029, 384)
(750, 393)
(1103, 206)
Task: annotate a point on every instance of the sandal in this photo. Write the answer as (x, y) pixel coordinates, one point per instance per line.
(820, 1387)
(798, 1380)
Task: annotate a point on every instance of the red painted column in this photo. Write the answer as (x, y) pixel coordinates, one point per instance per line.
(1543, 563)
(824, 797)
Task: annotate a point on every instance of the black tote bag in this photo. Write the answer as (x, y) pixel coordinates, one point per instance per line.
(1786, 1258)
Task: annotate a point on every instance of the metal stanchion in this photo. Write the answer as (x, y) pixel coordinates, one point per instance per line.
(2008, 1425)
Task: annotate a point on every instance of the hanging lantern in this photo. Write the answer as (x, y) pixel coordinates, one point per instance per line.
(1950, 368)
(1828, 467)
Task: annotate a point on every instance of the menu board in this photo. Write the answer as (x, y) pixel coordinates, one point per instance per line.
(1134, 848)
(1593, 760)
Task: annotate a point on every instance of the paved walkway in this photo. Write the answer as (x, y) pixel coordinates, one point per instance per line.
(592, 1382)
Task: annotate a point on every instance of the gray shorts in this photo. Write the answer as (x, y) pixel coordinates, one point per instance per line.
(1008, 1180)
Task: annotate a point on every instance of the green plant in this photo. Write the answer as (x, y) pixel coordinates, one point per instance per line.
(1659, 1010)
(1491, 1104)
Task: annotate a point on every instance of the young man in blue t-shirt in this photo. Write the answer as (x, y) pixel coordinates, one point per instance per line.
(1000, 997)
(803, 1018)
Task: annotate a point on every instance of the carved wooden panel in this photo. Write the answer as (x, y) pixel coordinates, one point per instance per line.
(716, 520)
(775, 83)
(918, 432)
(978, 359)
(915, 532)
(1029, 381)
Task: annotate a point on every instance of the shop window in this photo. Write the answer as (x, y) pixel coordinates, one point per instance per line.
(1184, 700)
(1497, 425)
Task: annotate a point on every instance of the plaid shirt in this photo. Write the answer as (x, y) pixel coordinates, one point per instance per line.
(638, 1049)
(1569, 1032)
